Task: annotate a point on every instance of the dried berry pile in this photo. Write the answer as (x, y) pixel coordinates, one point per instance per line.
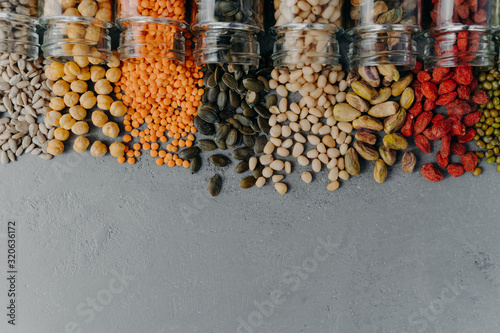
(457, 90)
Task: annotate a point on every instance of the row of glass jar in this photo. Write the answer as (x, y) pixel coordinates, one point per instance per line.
(460, 31)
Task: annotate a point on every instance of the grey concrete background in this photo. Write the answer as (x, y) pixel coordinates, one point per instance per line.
(154, 253)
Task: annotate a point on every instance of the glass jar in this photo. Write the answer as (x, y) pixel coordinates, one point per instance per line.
(461, 33)
(383, 32)
(76, 29)
(152, 31)
(227, 31)
(18, 28)
(306, 33)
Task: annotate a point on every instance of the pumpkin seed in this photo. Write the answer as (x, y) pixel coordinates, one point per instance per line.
(211, 82)
(222, 132)
(249, 112)
(248, 182)
(253, 85)
(242, 153)
(206, 145)
(214, 185)
(195, 164)
(248, 141)
(234, 99)
(230, 81)
(219, 160)
(260, 142)
(242, 167)
(234, 123)
(257, 172)
(189, 153)
(243, 120)
(252, 97)
(221, 100)
(262, 111)
(263, 124)
(208, 116)
(212, 94)
(247, 131)
(271, 100)
(221, 144)
(232, 138)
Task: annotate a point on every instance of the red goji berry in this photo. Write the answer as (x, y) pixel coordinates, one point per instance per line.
(458, 148)
(442, 161)
(446, 145)
(472, 119)
(441, 128)
(428, 134)
(418, 67)
(446, 98)
(423, 143)
(431, 173)
(429, 90)
(416, 109)
(480, 97)
(446, 77)
(429, 105)
(439, 73)
(469, 161)
(462, 41)
(469, 135)
(480, 16)
(423, 76)
(436, 118)
(463, 92)
(473, 84)
(463, 10)
(452, 104)
(456, 170)
(407, 129)
(473, 5)
(446, 87)
(422, 121)
(457, 128)
(460, 109)
(463, 75)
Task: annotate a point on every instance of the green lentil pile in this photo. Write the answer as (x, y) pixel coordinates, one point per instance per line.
(488, 127)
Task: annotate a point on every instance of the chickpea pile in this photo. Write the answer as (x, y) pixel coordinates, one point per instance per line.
(76, 92)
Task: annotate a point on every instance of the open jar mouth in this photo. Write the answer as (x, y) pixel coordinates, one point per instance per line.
(460, 45)
(299, 45)
(64, 40)
(217, 46)
(19, 35)
(48, 20)
(383, 45)
(148, 37)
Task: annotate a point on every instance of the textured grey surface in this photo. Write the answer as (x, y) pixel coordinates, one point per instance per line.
(198, 264)
(406, 256)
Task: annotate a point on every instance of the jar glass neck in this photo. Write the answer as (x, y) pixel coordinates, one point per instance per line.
(227, 46)
(145, 37)
(459, 45)
(371, 47)
(18, 35)
(299, 45)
